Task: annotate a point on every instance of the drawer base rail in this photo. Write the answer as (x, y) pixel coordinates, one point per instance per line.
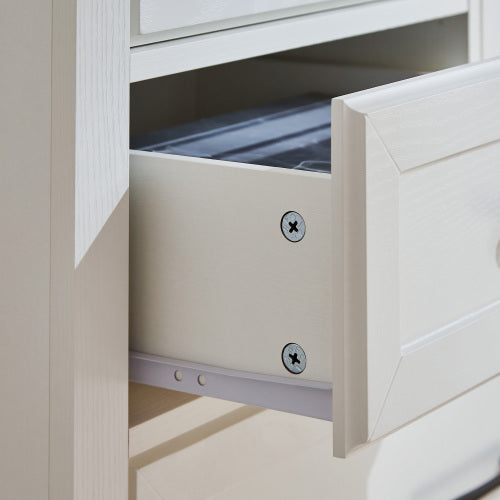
(312, 399)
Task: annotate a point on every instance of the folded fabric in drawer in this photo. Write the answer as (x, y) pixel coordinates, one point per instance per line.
(293, 133)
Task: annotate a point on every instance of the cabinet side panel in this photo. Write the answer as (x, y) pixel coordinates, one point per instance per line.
(101, 353)
(62, 251)
(89, 341)
(101, 249)
(25, 95)
(101, 173)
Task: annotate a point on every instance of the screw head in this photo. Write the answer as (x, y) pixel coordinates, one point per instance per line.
(293, 226)
(294, 358)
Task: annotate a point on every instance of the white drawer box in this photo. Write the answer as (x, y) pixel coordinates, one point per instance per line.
(394, 292)
(155, 20)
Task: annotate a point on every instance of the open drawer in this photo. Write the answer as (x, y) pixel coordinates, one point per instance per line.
(393, 293)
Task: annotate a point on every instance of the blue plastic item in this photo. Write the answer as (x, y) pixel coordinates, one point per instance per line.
(294, 133)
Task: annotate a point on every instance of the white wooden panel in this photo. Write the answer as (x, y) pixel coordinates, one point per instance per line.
(190, 29)
(382, 283)
(240, 43)
(213, 280)
(89, 341)
(447, 240)
(62, 252)
(25, 111)
(102, 117)
(407, 124)
(101, 249)
(416, 180)
(440, 370)
(159, 15)
(490, 32)
(475, 31)
(101, 374)
(484, 36)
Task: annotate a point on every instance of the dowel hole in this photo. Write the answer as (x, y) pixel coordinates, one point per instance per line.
(202, 379)
(178, 375)
(498, 254)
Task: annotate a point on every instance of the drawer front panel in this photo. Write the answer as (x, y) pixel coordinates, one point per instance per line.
(448, 232)
(416, 179)
(165, 15)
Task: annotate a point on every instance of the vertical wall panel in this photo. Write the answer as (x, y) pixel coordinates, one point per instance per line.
(25, 111)
(101, 249)
(89, 310)
(490, 26)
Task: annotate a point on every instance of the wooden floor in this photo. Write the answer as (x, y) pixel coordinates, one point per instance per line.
(187, 447)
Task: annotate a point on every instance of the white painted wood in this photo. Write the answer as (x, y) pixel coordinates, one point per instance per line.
(490, 32)
(484, 36)
(268, 454)
(101, 249)
(62, 471)
(25, 110)
(64, 330)
(159, 16)
(101, 177)
(406, 210)
(240, 43)
(164, 20)
(475, 31)
(416, 223)
(429, 46)
(212, 277)
(213, 280)
(101, 370)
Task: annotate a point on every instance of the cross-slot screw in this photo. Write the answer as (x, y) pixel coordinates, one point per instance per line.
(294, 358)
(293, 226)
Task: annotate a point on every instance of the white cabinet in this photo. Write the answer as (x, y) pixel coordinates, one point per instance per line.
(64, 248)
(394, 292)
